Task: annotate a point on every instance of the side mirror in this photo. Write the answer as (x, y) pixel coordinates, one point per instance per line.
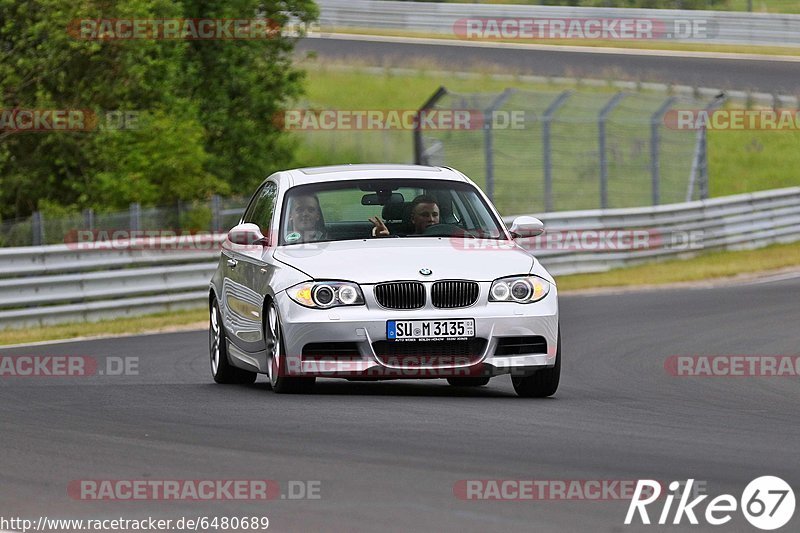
(247, 234)
(526, 226)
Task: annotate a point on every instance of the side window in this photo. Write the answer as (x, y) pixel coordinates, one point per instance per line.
(262, 207)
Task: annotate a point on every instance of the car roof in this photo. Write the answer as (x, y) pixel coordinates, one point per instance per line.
(303, 176)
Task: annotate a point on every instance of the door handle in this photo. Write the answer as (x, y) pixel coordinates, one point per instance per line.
(232, 263)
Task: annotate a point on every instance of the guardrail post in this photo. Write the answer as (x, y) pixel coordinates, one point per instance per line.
(37, 228)
(655, 145)
(488, 123)
(216, 223)
(419, 149)
(601, 131)
(547, 118)
(135, 216)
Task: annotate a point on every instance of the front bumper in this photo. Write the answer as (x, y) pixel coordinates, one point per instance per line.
(364, 326)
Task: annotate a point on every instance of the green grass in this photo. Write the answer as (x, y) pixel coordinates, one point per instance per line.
(147, 323)
(748, 161)
(711, 265)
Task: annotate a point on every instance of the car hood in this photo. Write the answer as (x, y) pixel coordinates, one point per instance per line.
(375, 260)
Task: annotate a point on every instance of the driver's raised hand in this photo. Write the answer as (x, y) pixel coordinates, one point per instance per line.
(380, 229)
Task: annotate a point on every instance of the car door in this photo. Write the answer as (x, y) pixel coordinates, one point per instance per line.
(245, 267)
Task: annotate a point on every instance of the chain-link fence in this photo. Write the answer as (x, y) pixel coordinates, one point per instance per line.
(554, 151)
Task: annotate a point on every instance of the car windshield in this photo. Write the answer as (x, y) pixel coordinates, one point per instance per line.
(337, 211)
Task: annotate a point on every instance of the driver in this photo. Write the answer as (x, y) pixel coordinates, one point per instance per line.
(306, 223)
(424, 213)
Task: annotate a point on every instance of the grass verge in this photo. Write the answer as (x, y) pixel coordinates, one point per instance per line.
(130, 325)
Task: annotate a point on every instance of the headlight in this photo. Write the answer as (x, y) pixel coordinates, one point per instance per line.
(326, 294)
(520, 289)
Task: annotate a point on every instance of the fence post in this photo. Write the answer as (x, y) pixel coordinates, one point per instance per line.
(699, 171)
(488, 119)
(704, 165)
(37, 228)
(216, 223)
(601, 130)
(547, 118)
(419, 149)
(135, 216)
(88, 219)
(655, 142)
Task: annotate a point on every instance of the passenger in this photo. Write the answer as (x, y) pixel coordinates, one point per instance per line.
(306, 223)
(424, 213)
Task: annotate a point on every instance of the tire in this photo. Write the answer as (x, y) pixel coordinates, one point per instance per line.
(276, 358)
(221, 369)
(542, 383)
(468, 382)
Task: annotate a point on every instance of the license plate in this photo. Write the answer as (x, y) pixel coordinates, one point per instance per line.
(413, 330)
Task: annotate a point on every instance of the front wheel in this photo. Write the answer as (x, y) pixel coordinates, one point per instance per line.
(221, 369)
(542, 383)
(276, 358)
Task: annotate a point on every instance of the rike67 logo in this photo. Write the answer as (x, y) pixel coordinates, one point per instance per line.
(767, 503)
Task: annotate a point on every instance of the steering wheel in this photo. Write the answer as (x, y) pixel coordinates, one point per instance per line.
(446, 230)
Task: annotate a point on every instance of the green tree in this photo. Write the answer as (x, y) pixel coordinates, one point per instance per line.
(205, 107)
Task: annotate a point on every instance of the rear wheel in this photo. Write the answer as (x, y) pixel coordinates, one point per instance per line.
(276, 358)
(543, 382)
(221, 369)
(468, 382)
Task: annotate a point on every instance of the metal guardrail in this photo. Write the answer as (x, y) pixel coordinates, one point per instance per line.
(669, 231)
(761, 29)
(58, 283)
(42, 285)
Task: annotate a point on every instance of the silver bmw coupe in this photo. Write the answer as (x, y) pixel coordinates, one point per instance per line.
(369, 272)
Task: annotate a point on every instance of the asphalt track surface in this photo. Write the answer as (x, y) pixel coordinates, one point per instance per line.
(387, 454)
(764, 75)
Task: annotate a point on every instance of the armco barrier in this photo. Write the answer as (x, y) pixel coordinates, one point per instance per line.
(73, 283)
(59, 283)
(730, 223)
(439, 18)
